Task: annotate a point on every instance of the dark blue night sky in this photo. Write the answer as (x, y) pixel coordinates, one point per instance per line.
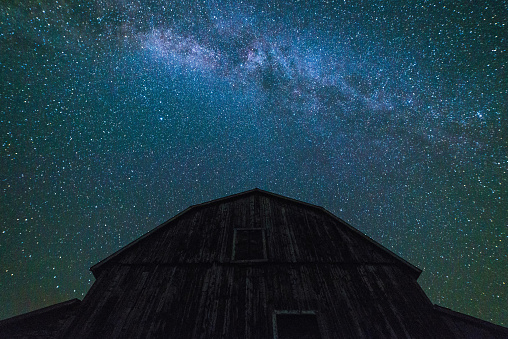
(116, 115)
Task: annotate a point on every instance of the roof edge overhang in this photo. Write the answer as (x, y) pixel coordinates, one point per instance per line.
(414, 271)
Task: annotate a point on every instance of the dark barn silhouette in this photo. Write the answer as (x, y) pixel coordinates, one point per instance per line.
(252, 265)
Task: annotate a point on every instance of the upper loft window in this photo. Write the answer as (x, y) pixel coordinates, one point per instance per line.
(295, 325)
(249, 244)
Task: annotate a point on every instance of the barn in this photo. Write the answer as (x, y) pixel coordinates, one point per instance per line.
(253, 265)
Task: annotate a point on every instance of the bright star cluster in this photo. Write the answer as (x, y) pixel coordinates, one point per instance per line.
(116, 115)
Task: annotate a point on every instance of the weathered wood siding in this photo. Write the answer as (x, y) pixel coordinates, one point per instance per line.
(180, 282)
(237, 301)
(293, 234)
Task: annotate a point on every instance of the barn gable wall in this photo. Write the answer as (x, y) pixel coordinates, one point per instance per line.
(292, 234)
(238, 301)
(181, 280)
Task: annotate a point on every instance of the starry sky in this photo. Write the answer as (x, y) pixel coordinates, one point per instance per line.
(115, 115)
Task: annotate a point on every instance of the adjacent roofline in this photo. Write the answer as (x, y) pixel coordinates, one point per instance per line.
(470, 319)
(41, 311)
(413, 269)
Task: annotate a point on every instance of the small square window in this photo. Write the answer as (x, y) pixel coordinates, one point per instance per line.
(296, 325)
(249, 244)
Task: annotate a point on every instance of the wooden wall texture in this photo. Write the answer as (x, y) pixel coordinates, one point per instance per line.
(180, 281)
(294, 233)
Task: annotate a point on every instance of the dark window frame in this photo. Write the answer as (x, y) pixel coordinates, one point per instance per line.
(296, 312)
(263, 236)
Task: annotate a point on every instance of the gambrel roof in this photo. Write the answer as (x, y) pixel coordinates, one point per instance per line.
(352, 235)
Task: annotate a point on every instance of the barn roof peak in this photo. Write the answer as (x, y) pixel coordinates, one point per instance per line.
(415, 271)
